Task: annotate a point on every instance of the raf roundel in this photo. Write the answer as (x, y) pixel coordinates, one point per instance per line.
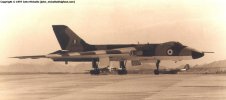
(170, 52)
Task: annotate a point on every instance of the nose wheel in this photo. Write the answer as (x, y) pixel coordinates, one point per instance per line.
(156, 71)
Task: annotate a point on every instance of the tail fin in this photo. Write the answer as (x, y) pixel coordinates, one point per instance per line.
(68, 40)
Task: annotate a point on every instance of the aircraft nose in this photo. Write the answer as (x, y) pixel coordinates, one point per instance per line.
(196, 54)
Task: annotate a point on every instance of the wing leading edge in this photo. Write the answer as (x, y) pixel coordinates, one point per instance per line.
(30, 57)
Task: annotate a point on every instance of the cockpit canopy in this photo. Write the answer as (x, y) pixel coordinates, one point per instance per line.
(173, 43)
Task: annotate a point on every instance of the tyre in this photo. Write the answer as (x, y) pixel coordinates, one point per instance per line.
(122, 72)
(156, 72)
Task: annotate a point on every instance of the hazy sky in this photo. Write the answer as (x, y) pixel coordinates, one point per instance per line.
(25, 29)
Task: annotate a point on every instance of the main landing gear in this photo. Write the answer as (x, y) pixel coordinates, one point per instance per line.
(95, 70)
(156, 71)
(122, 70)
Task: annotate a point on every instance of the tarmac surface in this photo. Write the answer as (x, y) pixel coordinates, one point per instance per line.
(112, 87)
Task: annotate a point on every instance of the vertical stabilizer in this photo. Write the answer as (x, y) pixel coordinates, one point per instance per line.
(68, 40)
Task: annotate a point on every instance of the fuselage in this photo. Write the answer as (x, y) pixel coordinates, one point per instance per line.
(144, 52)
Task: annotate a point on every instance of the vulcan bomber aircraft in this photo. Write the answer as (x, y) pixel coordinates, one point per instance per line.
(75, 49)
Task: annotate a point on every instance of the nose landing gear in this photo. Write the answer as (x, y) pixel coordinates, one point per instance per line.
(156, 71)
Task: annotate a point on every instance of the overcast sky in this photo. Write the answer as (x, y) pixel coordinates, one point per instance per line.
(25, 29)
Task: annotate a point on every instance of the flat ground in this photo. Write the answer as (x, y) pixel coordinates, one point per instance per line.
(112, 87)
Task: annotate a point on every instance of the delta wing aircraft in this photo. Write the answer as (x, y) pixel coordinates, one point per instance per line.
(75, 49)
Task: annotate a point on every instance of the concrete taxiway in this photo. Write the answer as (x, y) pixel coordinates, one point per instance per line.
(112, 87)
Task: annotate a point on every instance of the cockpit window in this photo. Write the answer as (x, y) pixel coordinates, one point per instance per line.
(173, 43)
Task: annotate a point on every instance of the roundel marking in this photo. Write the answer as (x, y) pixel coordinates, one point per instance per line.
(170, 52)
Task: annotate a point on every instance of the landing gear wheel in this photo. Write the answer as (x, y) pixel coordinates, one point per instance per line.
(122, 72)
(95, 72)
(156, 72)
